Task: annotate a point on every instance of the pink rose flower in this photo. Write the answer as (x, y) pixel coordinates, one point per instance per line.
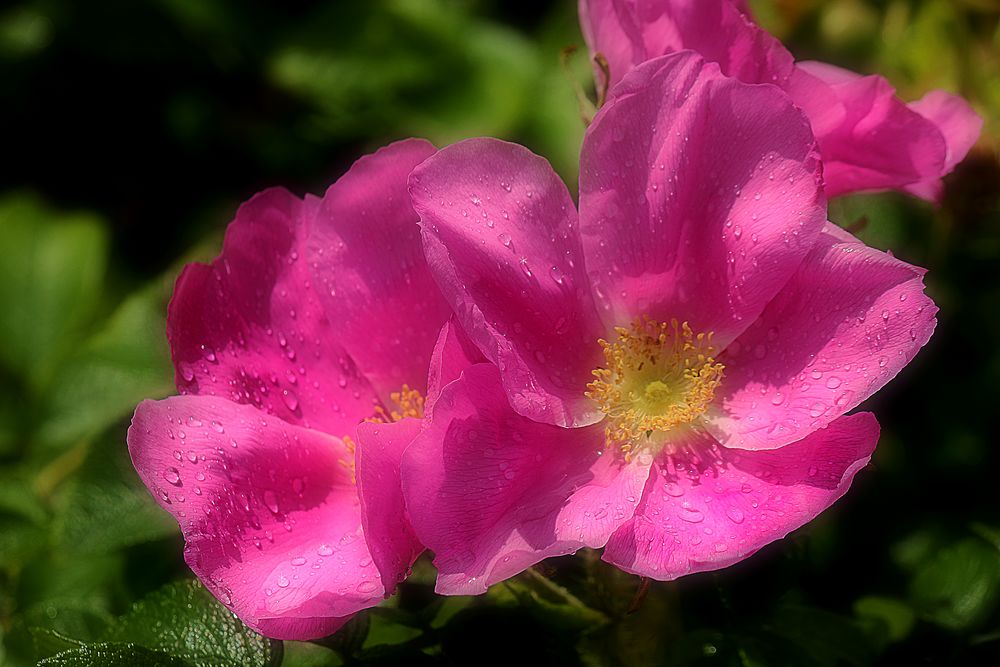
(869, 139)
(670, 368)
(319, 314)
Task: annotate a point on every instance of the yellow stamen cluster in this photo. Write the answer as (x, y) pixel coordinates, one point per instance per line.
(349, 462)
(409, 402)
(658, 376)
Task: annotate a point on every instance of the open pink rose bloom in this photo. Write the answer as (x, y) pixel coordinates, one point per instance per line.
(868, 138)
(446, 352)
(669, 368)
(318, 314)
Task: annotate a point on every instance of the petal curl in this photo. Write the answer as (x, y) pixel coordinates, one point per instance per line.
(869, 138)
(393, 545)
(711, 507)
(846, 323)
(501, 236)
(491, 492)
(270, 517)
(699, 196)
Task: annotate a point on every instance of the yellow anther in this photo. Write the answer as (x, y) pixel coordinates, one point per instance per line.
(658, 376)
(408, 402)
(349, 463)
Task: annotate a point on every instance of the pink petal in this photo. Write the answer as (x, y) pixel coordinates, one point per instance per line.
(710, 507)
(959, 125)
(845, 324)
(453, 353)
(390, 537)
(629, 33)
(249, 326)
(869, 138)
(491, 492)
(500, 234)
(699, 196)
(368, 264)
(271, 520)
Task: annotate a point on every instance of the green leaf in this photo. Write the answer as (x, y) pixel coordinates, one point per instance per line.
(113, 655)
(105, 507)
(50, 278)
(894, 618)
(103, 380)
(959, 585)
(184, 620)
(305, 654)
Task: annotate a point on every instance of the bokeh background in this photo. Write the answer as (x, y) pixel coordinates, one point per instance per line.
(131, 129)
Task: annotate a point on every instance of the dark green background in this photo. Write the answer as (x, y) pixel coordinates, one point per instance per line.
(131, 129)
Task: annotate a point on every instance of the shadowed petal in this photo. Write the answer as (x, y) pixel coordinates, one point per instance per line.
(500, 234)
(390, 537)
(365, 255)
(250, 326)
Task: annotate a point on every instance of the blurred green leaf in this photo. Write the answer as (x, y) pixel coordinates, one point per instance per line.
(50, 279)
(893, 618)
(184, 620)
(958, 586)
(304, 654)
(49, 642)
(103, 380)
(113, 655)
(105, 507)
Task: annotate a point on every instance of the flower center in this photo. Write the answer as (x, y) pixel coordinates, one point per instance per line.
(658, 376)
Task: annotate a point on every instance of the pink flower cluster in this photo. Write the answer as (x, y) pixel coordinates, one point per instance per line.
(444, 352)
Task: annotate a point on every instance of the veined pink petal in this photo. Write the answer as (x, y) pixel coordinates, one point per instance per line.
(845, 324)
(367, 261)
(869, 138)
(491, 492)
(270, 517)
(699, 196)
(709, 507)
(453, 353)
(250, 327)
(387, 528)
(630, 32)
(959, 125)
(501, 236)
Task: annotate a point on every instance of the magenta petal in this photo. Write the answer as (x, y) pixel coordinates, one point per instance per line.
(711, 507)
(491, 492)
(845, 324)
(629, 33)
(869, 138)
(270, 517)
(500, 234)
(453, 353)
(959, 125)
(368, 263)
(390, 537)
(699, 196)
(250, 327)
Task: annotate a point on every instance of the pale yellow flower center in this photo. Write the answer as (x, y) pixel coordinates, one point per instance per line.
(657, 377)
